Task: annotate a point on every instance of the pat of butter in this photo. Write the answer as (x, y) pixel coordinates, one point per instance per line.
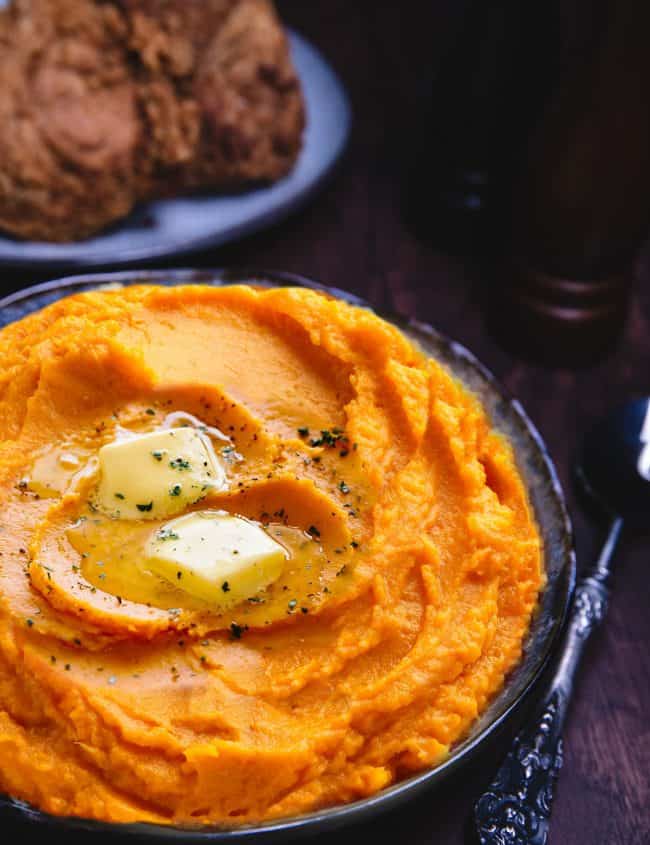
(215, 557)
(149, 476)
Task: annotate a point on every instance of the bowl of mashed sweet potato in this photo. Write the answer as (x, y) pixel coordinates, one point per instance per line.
(268, 562)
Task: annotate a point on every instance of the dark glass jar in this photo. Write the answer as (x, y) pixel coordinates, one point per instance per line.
(580, 207)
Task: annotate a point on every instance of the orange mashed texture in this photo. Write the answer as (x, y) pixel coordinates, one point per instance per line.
(351, 674)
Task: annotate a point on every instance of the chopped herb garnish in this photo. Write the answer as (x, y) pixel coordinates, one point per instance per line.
(303, 431)
(304, 609)
(67, 667)
(167, 534)
(179, 464)
(151, 412)
(145, 508)
(157, 454)
(343, 487)
(326, 439)
(313, 531)
(292, 604)
(179, 575)
(354, 544)
(335, 437)
(30, 622)
(175, 490)
(119, 495)
(342, 570)
(225, 587)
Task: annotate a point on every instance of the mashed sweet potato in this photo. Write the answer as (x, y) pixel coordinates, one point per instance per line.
(413, 560)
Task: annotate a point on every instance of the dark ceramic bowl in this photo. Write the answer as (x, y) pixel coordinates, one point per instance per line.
(547, 499)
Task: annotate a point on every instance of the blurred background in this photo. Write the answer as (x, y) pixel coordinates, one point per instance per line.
(497, 185)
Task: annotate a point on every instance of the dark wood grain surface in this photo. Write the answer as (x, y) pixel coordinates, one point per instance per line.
(353, 236)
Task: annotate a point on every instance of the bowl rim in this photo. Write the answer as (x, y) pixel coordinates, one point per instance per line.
(330, 818)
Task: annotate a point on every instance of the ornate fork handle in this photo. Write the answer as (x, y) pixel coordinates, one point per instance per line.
(516, 808)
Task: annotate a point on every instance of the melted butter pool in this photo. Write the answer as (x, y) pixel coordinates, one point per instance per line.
(112, 560)
(54, 471)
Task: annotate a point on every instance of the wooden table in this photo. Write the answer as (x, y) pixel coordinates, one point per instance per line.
(353, 236)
